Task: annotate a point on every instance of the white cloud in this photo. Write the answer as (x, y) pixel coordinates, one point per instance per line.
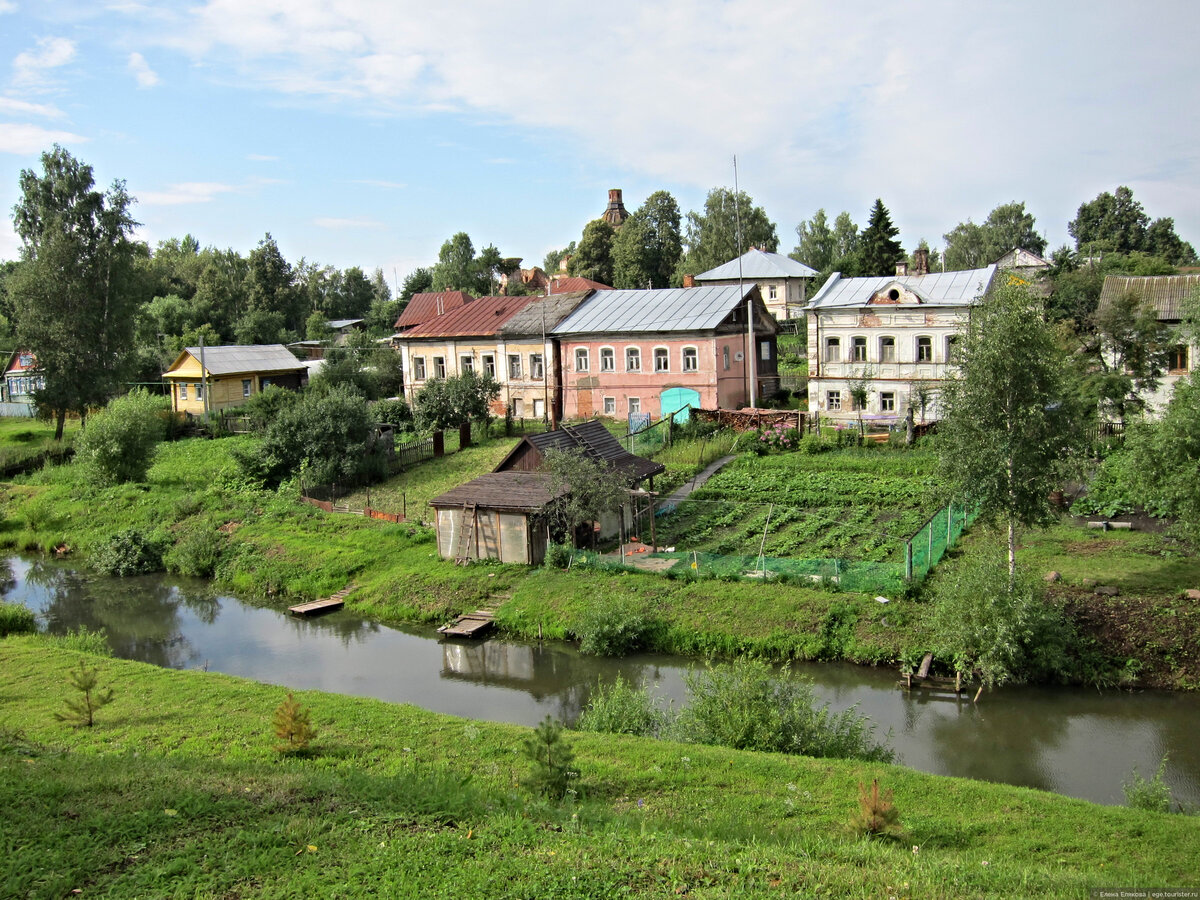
(30, 67)
(258, 157)
(7, 6)
(23, 139)
(185, 192)
(12, 106)
(146, 76)
(343, 224)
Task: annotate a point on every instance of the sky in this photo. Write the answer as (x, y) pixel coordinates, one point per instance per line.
(366, 133)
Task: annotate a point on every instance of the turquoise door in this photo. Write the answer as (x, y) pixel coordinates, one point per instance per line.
(677, 401)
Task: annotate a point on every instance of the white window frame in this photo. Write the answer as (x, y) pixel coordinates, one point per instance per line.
(247, 387)
(537, 367)
(514, 366)
(608, 359)
(466, 363)
(887, 352)
(662, 359)
(951, 348)
(833, 400)
(858, 343)
(199, 390)
(690, 359)
(927, 346)
(489, 365)
(418, 368)
(182, 389)
(583, 362)
(887, 401)
(833, 349)
(772, 292)
(633, 359)
(610, 406)
(635, 405)
(439, 367)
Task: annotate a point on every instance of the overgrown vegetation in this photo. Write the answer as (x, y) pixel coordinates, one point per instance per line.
(1152, 795)
(16, 618)
(119, 442)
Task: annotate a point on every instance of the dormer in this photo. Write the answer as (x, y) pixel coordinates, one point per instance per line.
(895, 293)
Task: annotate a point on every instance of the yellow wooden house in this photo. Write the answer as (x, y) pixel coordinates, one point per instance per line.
(229, 375)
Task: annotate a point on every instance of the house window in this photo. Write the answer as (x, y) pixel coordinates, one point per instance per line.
(25, 360)
(200, 390)
(635, 404)
(514, 365)
(1177, 359)
(772, 292)
(858, 348)
(610, 406)
(887, 349)
(182, 391)
(662, 359)
(924, 349)
(245, 387)
(833, 399)
(518, 408)
(833, 349)
(633, 359)
(725, 358)
(439, 367)
(489, 365)
(952, 348)
(418, 368)
(535, 366)
(582, 363)
(608, 360)
(691, 360)
(887, 401)
(539, 409)
(466, 364)
(764, 351)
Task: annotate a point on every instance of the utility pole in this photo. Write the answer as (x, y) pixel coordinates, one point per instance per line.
(751, 350)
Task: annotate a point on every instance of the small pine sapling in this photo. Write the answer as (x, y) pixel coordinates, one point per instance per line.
(293, 726)
(551, 757)
(82, 711)
(876, 813)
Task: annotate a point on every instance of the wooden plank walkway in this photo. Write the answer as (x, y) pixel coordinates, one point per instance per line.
(317, 607)
(473, 624)
(935, 684)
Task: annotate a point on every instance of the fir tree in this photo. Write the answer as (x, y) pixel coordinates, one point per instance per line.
(82, 711)
(551, 757)
(877, 245)
(293, 726)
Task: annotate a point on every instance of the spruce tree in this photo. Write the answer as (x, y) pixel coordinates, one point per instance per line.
(877, 245)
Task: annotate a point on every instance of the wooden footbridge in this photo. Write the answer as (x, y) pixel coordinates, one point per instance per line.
(470, 625)
(319, 607)
(935, 684)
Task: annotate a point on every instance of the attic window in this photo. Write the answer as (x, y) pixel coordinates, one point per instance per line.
(893, 294)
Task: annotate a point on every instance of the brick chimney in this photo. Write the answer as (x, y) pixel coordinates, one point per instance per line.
(901, 269)
(689, 280)
(920, 261)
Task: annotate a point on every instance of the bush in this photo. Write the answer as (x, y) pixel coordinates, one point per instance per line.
(1152, 795)
(747, 706)
(128, 552)
(558, 556)
(623, 709)
(119, 442)
(392, 411)
(16, 619)
(263, 408)
(613, 627)
(197, 553)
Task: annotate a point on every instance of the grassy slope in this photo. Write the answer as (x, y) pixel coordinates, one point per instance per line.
(177, 792)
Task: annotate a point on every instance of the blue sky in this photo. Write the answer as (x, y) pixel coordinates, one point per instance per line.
(366, 133)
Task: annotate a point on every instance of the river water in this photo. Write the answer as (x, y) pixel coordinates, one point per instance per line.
(1078, 742)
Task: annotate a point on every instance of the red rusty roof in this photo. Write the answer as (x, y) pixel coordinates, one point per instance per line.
(423, 307)
(574, 283)
(477, 318)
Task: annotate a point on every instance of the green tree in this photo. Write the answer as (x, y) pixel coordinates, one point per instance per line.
(71, 290)
(594, 257)
(648, 247)
(1006, 421)
(1166, 456)
(450, 402)
(712, 235)
(877, 245)
(1131, 353)
(553, 259)
(270, 285)
(585, 489)
(552, 759)
(1112, 222)
(119, 443)
(1163, 242)
(971, 246)
(459, 269)
(82, 711)
(816, 245)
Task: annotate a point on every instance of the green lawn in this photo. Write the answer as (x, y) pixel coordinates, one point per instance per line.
(177, 792)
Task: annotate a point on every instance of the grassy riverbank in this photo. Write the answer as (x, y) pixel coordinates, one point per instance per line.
(177, 792)
(198, 509)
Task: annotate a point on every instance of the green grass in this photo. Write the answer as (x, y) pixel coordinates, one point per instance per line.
(177, 792)
(28, 440)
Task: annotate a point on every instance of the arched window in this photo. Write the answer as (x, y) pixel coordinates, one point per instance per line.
(662, 359)
(691, 359)
(887, 349)
(608, 359)
(924, 349)
(633, 359)
(581, 359)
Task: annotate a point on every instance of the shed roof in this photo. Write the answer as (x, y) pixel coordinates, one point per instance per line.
(1165, 292)
(543, 312)
(339, 324)
(758, 264)
(937, 288)
(476, 319)
(597, 444)
(524, 491)
(569, 283)
(425, 306)
(661, 309)
(238, 359)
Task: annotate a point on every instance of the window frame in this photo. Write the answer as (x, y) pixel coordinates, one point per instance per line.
(183, 391)
(537, 366)
(662, 360)
(833, 349)
(633, 359)
(634, 404)
(608, 359)
(887, 401)
(692, 354)
(610, 406)
(858, 349)
(439, 367)
(887, 351)
(247, 388)
(924, 351)
(466, 363)
(489, 364)
(514, 366)
(418, 368)
(833, 400)
(583, 360)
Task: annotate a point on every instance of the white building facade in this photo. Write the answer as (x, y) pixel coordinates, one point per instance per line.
(895, 336)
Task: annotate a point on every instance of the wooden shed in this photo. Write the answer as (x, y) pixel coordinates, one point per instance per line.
(499, 516)
(592, 439)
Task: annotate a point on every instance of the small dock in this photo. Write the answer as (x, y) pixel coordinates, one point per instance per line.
(470, 625)
(934, 684)
(320, 607)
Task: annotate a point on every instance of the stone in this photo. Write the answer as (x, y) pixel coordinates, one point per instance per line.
(1107, 590)
(1052, 577)
(1088, 583)
(1192, 594)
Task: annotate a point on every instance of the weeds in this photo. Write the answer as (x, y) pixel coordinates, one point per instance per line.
(16, 618)
(623, 709)
(1152, 795)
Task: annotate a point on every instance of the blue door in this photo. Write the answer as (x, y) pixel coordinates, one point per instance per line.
(677, 401)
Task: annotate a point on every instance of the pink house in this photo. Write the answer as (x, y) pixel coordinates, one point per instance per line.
(658, 352)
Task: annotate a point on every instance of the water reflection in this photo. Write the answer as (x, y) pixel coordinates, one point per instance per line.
(1076, 742)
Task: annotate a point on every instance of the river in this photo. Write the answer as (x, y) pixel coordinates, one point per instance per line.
(1074, 741)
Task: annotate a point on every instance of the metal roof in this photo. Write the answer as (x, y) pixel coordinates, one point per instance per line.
(235, 359)
(337, 324)
(759, 264)
(1165, 292)
(478, 318)
(663, 309)
(937, 288)
(423, 307)
(543, 312)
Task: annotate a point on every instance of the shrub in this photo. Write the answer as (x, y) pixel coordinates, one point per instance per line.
(812, 444)
(613, 627)
(623, 709)
(197, 553)
(119, 441)
(262, 408)
(293, 726)
(392, 411)
(128, 552)
(82, 712)
(1152, 795)
(558, 556)
(876, 812)
(748, 706)
(16, 619)
(551, 757)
